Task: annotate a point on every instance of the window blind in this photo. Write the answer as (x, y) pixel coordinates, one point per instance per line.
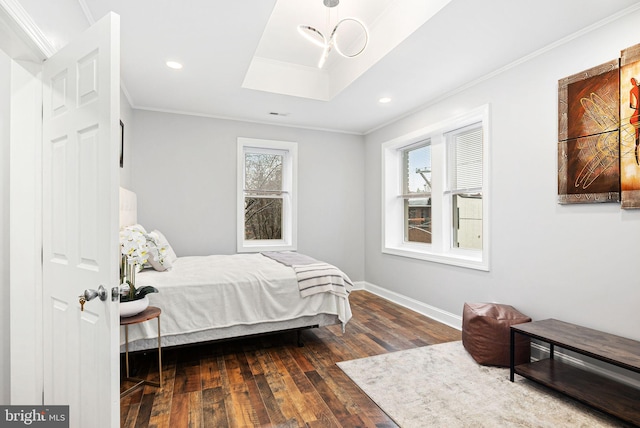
(466, 160)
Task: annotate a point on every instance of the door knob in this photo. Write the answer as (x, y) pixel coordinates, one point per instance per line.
(91, 294)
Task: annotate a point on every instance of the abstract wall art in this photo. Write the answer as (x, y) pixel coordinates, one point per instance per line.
(629, 127)
(588, 146)
(598, 159)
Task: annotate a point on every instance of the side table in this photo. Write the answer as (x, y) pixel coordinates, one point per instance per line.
(148, 314)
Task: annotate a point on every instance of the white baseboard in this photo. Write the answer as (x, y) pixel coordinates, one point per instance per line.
(358, 285)
(432, 312)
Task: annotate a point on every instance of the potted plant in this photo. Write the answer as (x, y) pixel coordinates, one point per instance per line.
(136, 247)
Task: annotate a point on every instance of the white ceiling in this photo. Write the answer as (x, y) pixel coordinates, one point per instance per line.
(286, 63)
(412, 56)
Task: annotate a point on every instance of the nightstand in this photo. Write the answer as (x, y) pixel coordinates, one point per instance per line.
(148, 314)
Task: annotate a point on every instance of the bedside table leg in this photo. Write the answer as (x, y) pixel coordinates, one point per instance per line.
(126, 348)
(159, 353)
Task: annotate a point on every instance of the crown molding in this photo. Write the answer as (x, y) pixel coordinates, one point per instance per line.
(25, 26)
(524, 59)
(87, 12)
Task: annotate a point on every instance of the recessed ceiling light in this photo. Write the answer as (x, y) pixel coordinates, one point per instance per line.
(174, 64)
(384, 100)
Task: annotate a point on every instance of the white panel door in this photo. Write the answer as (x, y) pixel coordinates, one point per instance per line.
(81, 103)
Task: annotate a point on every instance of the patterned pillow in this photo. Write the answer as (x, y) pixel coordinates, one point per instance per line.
(171, 255)
(162, 255)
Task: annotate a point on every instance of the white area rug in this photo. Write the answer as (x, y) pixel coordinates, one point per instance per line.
(442, 386)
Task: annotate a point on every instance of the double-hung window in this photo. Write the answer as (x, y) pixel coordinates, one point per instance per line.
(435, 188)
(464, 188)
(266, 195)
(416, 192)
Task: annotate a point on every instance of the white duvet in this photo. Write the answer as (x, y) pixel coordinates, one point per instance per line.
(204, 292)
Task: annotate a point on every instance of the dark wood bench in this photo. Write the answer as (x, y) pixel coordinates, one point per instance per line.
(603, 393)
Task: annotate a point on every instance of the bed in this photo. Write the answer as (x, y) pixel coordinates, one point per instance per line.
(207, 298)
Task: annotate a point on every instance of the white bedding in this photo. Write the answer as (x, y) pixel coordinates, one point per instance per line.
(219, 291)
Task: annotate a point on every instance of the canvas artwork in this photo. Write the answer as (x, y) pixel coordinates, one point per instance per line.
(588, 136)
(599, 133)
(630, 127)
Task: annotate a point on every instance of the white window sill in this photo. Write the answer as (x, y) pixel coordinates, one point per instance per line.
(465, 259)
(265, 246)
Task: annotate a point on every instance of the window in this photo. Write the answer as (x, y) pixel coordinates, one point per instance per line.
(435, 204)
(465, 186)
(416, 187)
(266, 195)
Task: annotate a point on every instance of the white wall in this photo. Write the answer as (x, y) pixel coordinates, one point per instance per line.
(577, 263)
(25, 212)
(185, 178)
(5, 98)
(20, 140)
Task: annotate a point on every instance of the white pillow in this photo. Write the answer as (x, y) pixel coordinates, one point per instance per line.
(161, 264)
(162, 240)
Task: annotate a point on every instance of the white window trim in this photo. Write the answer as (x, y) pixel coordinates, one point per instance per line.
(289, 241)
(440, 251)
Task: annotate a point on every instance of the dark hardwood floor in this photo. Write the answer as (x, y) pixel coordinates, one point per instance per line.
(271, 382)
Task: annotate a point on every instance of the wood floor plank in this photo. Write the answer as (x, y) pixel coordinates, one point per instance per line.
(278, 387)
(360, 403)
(161, 412)
(195, 410)
(130, 416)
(187, 378)
(271, 402)
(257, 403)
(301, 358)
(254, 364)
(347, 393)
(388, 337)
(297, 397)
(214, 412)
(328, 395)
(289, 365)
(234, 371)
(271, 382)
(144, 412)
(255, 399)
(239, 403)
(180, 410)
(368, 346)
(210, 372)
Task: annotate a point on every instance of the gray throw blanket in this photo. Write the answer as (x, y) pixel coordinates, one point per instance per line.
(289, 258)
(314, 276)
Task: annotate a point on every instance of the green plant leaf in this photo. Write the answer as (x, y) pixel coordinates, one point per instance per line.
(143, 291)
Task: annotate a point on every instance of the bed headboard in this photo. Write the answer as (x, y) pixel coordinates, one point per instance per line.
(128, 207)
